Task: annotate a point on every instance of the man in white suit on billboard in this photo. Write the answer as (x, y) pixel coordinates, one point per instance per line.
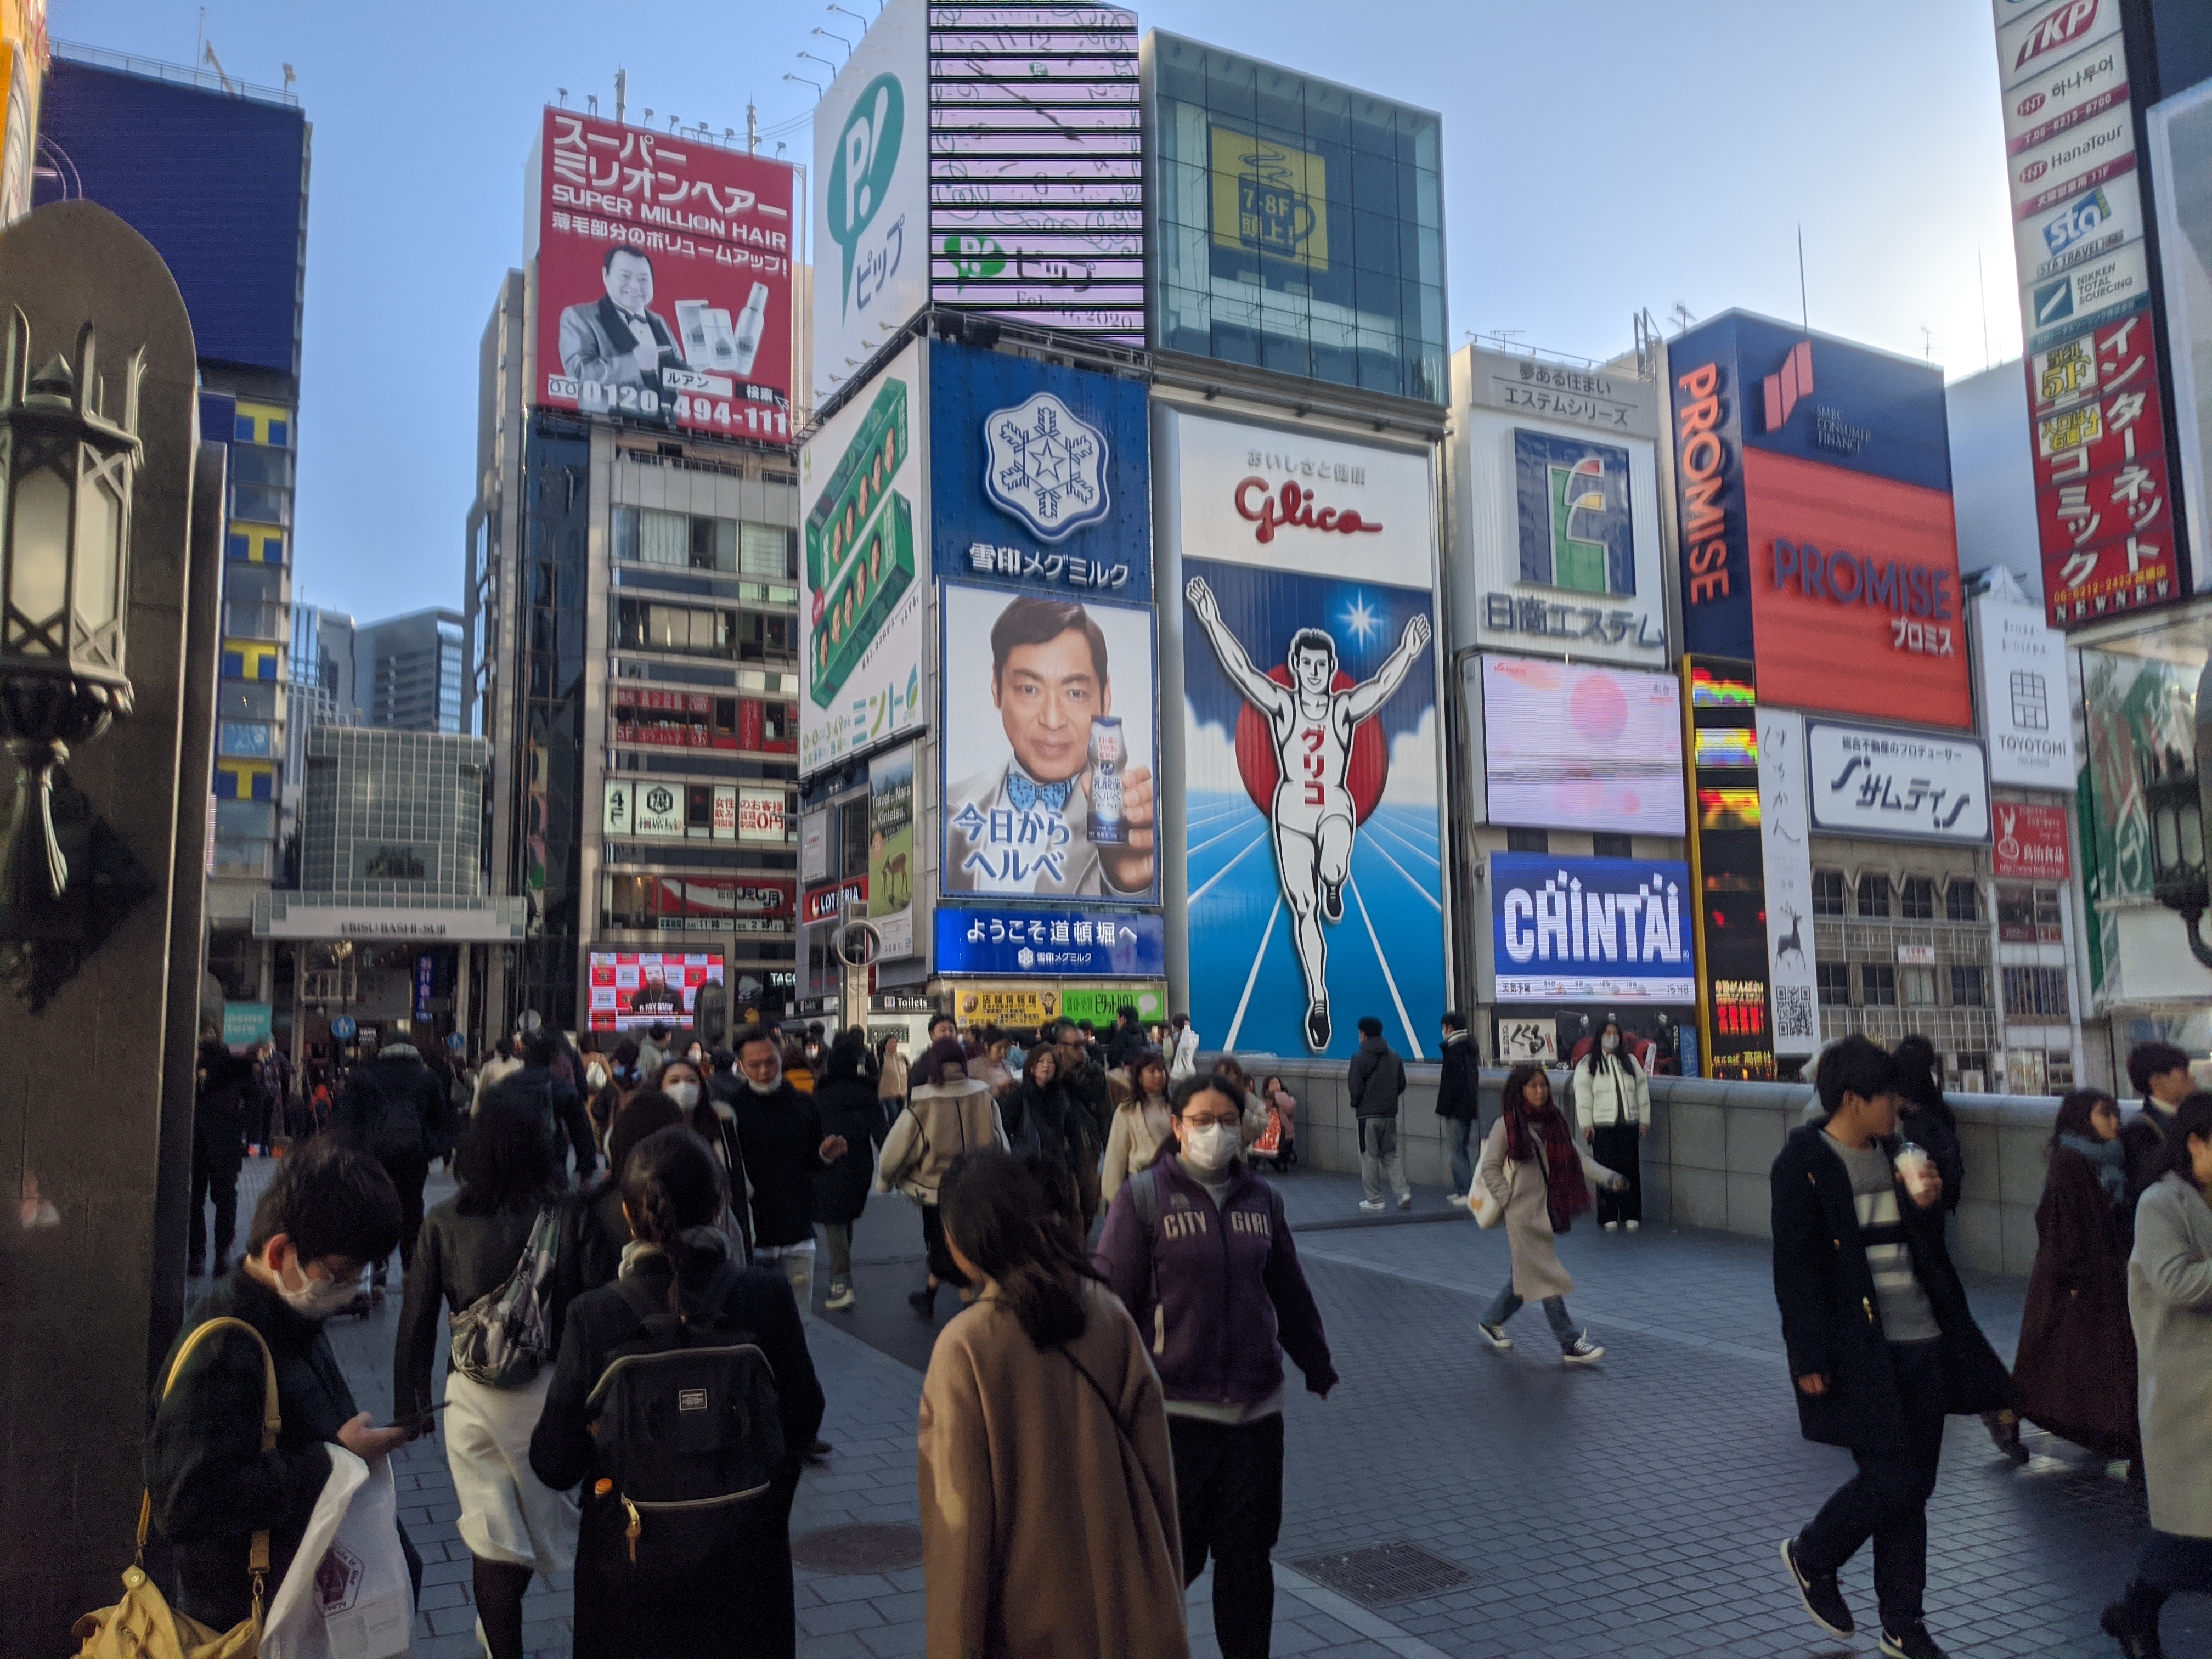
(1313, 816)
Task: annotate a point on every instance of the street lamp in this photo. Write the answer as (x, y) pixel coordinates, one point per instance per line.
(2173, 800)
(67, 478)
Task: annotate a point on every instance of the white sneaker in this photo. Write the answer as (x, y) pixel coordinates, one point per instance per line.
(1455, 1198)
(1611, 1226)
(1632, 1225)
(1373, 1206)
(1584, 1353)
(841, 1298)
(1405, 1200)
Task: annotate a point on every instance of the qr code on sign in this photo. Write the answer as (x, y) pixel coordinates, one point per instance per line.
(1793, 1013)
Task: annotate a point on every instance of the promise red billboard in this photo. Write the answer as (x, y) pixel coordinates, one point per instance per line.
(664, 279)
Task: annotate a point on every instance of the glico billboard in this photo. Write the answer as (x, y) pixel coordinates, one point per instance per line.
(664, 279)
(1814, 480)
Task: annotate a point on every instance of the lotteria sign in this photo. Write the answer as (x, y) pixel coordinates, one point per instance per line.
(1813, 483)
(1591, 930)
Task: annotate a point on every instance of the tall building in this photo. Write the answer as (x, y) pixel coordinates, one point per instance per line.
(214, 173)
(411, 673)
(632, 580)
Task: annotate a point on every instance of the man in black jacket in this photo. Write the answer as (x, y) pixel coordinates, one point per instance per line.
(222, 1102)
(540, 1080)
(1459, 1100)
(1881, 1343)
(2160, 1074)
(1375, 1079)
(1127, 1037)
(393, 1109)
(1084, 1078)
(779, 1132)
(328, 1212)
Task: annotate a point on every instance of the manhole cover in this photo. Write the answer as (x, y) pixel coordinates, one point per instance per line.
(1397, 1571)
(859, 1549)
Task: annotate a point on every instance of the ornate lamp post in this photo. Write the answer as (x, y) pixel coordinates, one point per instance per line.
(66, 472)
(2173, 797)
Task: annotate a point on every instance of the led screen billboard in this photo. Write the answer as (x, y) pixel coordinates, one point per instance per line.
(664, 279)
(633, 989)
(1566, 747)
(1728, 870)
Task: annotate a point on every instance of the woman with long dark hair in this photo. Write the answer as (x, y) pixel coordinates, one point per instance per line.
(737, 1600)
(1925, 1117)
(1044, 1123)
(1142, 1126)
(1534, 1173)
(1048, 1486)
(2170, 1306)
(1612, 1099)
(2076, 1369)
(592, 1255)
(512, 1522)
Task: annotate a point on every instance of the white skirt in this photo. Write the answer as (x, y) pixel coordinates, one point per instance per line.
(507, 1514)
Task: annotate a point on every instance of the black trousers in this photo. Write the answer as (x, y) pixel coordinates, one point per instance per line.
(218, 1179)
(1229, 1503)
(408, 1178)
(941, 1265)
(1887, 1500)
(1616, 1147)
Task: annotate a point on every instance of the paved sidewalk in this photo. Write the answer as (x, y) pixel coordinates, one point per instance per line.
(1630, 1510)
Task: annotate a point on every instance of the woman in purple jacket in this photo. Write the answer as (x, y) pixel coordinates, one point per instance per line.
(1197, 1248)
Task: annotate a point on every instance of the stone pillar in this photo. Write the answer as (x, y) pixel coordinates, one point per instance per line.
(92, 1261)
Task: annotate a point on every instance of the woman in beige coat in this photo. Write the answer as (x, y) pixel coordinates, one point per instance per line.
(950, 1114)
(1049, 1520)
(1142, 1126)
(1534, 1171)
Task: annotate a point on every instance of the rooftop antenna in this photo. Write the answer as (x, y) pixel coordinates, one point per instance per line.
(208, 52)
(290, 76)
(1804, 311)
(1681, 316)
(1927, 344)
(752, 125)
(622, 86)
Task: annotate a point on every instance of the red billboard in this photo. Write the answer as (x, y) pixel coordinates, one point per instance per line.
(2031, 843)
(1855, 592)
(664, 279)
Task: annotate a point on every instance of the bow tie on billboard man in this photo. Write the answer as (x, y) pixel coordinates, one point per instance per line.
(1041, 815)
(618, 341)
(1312, 721)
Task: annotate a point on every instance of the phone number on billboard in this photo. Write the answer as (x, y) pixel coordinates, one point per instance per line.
(759, 420)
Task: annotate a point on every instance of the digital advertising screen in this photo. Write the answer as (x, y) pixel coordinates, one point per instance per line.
(633, 989)
(1569, 747)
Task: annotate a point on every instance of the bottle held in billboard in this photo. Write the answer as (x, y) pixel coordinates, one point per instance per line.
(751, 321)
(1107, 828)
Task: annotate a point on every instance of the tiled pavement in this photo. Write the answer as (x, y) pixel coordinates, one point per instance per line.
(1630, 1510)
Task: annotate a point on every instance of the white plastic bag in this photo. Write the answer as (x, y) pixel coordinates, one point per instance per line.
(346, 1594)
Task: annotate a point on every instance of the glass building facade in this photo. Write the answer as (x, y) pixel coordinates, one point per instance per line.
(1297, 225)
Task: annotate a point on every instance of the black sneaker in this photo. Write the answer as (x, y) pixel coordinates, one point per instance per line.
(1910, 1641)
(2133, 1626)
(1823, 1597)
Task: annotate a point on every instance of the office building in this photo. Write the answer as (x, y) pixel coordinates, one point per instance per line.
(411, 673)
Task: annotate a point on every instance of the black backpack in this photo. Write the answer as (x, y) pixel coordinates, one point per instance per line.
(689, 1427)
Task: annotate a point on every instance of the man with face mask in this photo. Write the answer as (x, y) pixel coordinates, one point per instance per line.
(780, 1131)
(1198, 1251)
(329, 1211)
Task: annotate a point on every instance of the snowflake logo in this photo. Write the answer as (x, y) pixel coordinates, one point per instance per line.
(1046, 465)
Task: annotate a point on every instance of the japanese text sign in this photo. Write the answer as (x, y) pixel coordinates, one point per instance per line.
(1082, 944)
(1900, 784)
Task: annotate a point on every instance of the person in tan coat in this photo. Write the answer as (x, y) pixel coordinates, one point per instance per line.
(951, 1114)
(1047, 1494)
(1142, 1126)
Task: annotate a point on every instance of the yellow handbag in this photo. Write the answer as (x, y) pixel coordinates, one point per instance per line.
(142, 1625)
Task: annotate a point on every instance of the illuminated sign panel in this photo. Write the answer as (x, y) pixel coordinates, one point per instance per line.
(1728, 871)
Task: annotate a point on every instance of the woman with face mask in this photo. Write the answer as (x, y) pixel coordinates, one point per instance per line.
(1612, 1099)
(1198, 1251)
(1143, 1124)
(1534, 1171)
(714, 1122)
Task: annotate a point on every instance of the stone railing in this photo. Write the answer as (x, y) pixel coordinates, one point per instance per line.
(1704, 1163)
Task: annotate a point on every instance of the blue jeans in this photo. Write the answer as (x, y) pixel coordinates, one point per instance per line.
(1459, 1131)
(1555, 1311)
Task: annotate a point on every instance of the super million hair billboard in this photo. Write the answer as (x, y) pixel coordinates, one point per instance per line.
(1298, 600)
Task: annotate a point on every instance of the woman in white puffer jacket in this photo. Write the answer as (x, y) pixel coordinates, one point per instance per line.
(1612, 1107)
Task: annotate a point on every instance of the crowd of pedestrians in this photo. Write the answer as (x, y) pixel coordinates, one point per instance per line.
(626, 1273)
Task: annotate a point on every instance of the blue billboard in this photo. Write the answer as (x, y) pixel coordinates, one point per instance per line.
(1040, 477)
(1591, 930)
(1009, 939)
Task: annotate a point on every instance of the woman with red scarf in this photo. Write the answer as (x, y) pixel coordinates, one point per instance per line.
(1535, 1171)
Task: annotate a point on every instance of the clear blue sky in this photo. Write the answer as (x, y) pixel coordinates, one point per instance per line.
(1600, 155)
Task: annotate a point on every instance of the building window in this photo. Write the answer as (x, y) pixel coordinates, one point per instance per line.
(689, 630)
(1874, 895)
(1834, 979)
(1917, 987)
(1878, 980)
(1962, 900)
(1973, 1070)
(1917, 899)
(1528, 840)
(1827, 892)
(2030, 915)
(2036, 994)
(2058, 1071)
(1969, 987)
(1613, 847)
(764, 633)
(692, 541)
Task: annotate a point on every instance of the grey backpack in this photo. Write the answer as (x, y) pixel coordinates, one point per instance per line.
(501, 1338)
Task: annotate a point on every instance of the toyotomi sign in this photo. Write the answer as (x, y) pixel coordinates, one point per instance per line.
(1590, 930)
(2024, 700)
(1900, 785)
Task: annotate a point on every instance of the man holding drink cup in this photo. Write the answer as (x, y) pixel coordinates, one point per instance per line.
(1882, 1345)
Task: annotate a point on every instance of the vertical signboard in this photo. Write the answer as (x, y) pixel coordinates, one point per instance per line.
(1719, 702)
(1037, 167)
(664, 279)
(1786, 855)
(2111, 537)
(2181, 158)
(890, 848)
(2026, 709)
(872, 194)
(1311, 733)
(865, 551)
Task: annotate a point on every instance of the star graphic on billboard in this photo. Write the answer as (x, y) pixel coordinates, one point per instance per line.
(1361, 620)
